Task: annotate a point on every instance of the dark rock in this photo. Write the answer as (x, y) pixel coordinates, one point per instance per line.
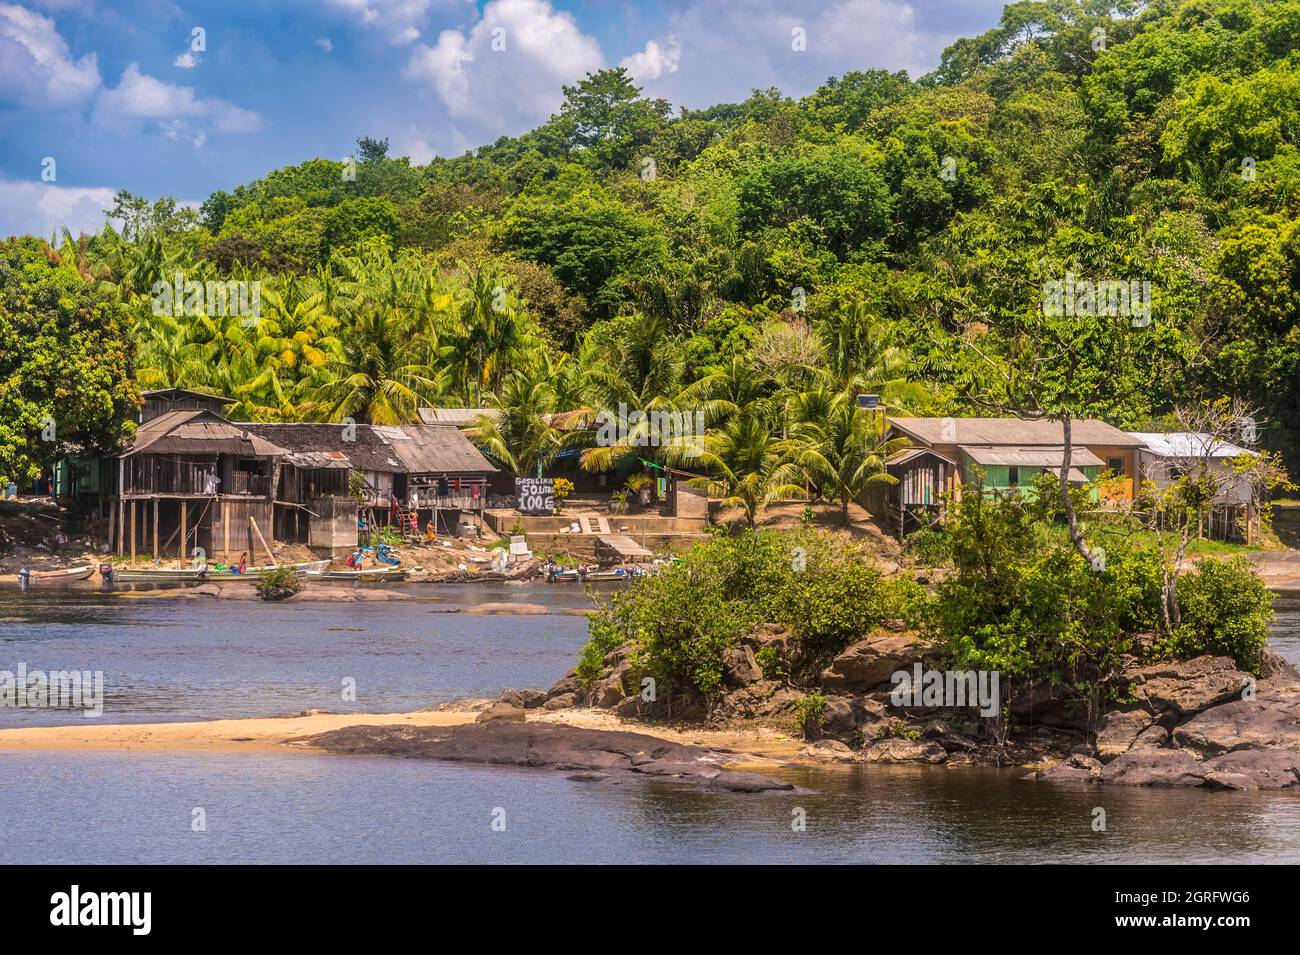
(524, 699)
(550, 746)
(1264, 768)
(1152, 737)
(740, 669)
(562, 702)
(1273, 666)
(1242, 724)
(1217, 780)
(1154, 767)
(1064, 772)
(847, 716)
(1187, 686)
(829, 750)
(871, 662)
(1119, 729)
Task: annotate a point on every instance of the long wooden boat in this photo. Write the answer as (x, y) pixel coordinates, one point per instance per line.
(64, 575)
(205, 573)
(370, 575)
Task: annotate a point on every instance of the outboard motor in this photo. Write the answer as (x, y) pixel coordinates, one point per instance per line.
(105, 574)
(24, 578)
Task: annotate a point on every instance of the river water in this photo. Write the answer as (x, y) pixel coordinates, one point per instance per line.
(166, 659)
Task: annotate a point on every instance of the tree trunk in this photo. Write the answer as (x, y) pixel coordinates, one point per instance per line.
(1070, 519)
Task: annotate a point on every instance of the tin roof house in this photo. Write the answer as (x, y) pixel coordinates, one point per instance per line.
(1002, 454)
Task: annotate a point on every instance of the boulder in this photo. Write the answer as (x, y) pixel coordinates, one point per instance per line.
(1241, 724)
(524, 699)
(1186, 687)
(569, 683)
(1154, 767)
(562, 702)
(1119, 730)
(1153, 737)
(1262, 768)
(501, 710)
(828, 750)
(740, 669)
(903, 751)
(748, 702)
(847, 716)
(1065, 772)
(608, 692)
(870, 662)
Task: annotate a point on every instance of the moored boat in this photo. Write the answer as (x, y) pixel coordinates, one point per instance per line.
(371, 575)
(207, 573)
(62, 575)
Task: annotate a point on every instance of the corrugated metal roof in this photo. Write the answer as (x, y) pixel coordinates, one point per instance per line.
(461, 417)
(1032, 457)
(197, 431)
(434, 449)
(1011, 431)
(902, 457)
(1187, 444)
(401, 449)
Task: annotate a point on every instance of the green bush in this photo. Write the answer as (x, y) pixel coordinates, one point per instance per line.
(278, 583)
(821, 587)
(1226, 611)
(809, 712)
(930, 547)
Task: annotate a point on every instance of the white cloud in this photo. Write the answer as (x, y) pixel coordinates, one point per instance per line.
(36, 67)
(325, 44)
(179, 111)
(655, 60)
(398, 20)
(718, 50)
(186, 61)
(41, 208)
(504, 74)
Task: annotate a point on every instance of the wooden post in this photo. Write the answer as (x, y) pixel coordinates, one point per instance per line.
(114, 539)
(225, 533)
(133, 537)
(185, 537)
(155, 529)
(258, 531)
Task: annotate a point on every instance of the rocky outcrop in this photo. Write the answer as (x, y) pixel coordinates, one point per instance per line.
(1271, 720)
(1154, 767)
(1194, 726)
(903, 751)
(501, 710)
(870, 662)
(603, 754)
(1184, 687)
(854, 717)
(740, 669)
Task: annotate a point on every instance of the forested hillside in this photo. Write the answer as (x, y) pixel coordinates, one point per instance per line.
(766, 261)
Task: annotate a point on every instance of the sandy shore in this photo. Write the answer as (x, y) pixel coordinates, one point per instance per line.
(267, 735)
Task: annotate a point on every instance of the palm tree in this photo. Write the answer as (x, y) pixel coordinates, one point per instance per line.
(749, 468)
(863, 355)
(841, 447)
(525, 436)
(371, 378)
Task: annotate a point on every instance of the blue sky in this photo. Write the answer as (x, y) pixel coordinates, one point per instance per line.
(127, 94)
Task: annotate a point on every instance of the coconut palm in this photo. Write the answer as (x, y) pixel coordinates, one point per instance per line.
(371, 378)
(749, 469)
(841, 447)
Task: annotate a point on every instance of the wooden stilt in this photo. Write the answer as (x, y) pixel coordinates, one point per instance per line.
(133, 538)
(156, 503)
(185, 536)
